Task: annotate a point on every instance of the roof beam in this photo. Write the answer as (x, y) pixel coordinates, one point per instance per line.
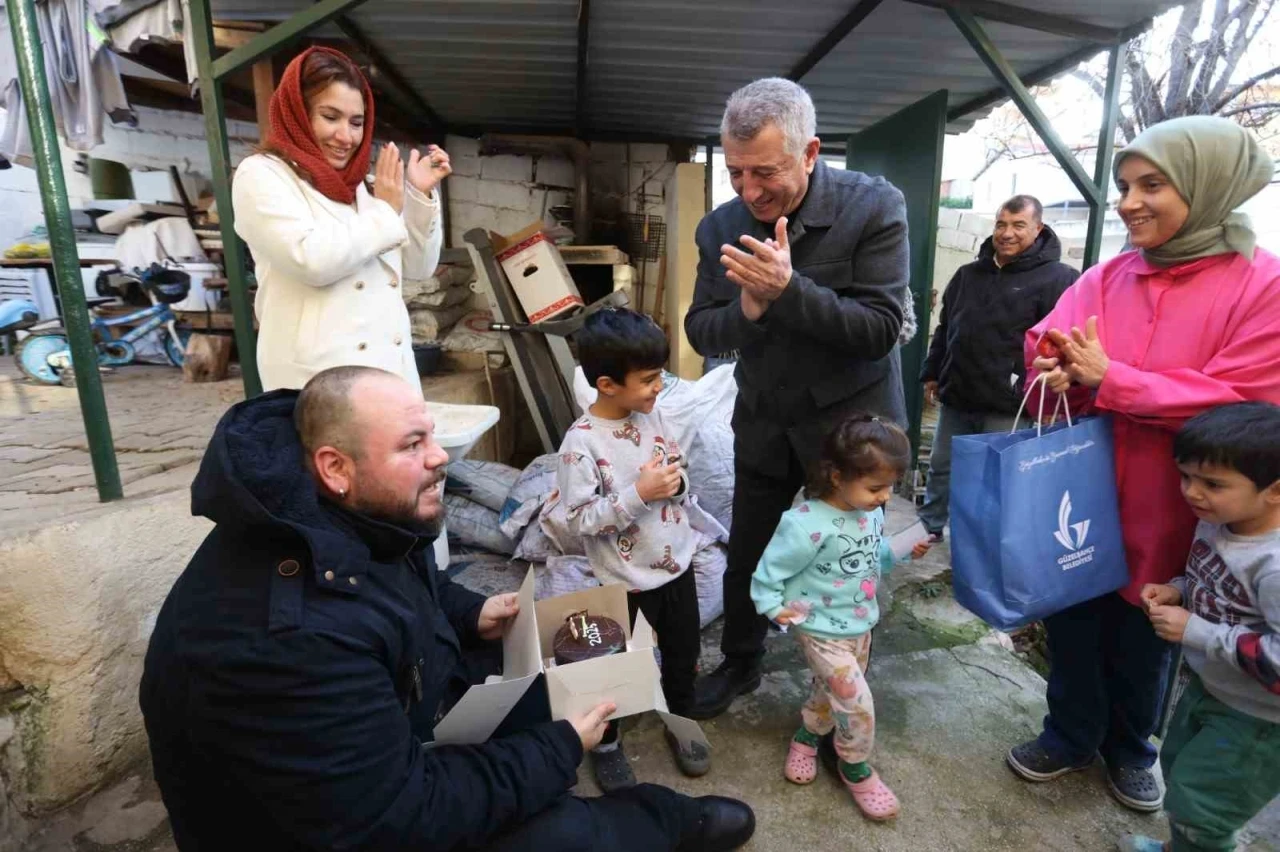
(847, 24)
(1041, 75)
(1002, 71)
(584, 34)
(384, 69)
(281, 35)
(1030, 19)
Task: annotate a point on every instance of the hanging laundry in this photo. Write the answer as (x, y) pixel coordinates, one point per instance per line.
(131, 24)
(83, 77)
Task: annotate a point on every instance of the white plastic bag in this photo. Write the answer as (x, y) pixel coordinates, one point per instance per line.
(685, 405)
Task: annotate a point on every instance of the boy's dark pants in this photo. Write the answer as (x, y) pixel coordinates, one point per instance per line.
(672, 611)
(1107, 671)
(1221, 767)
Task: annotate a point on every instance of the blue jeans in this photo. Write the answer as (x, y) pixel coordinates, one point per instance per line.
(1107, 674)
(952, 422)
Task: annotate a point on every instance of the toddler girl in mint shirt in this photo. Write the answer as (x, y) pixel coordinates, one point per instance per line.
(819, 576)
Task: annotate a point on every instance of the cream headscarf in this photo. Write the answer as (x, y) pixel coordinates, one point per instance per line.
(1215, 165)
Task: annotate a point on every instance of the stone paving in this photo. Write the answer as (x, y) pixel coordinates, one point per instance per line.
(951, 695)
(160, 425)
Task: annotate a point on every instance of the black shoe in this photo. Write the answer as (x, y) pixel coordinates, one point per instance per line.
(723, 825)
(694, 761)
(1032, 762)
(1136, 788)
(612, 770)
(714, 693)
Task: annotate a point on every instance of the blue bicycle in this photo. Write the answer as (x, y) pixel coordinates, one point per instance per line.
(44, 356)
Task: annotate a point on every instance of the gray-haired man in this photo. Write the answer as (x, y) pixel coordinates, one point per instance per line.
(804, 275)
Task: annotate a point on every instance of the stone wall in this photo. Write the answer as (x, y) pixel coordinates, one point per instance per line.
(78, 601)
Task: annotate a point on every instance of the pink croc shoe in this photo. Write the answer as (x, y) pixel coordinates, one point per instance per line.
(873, 797)
(802, 763)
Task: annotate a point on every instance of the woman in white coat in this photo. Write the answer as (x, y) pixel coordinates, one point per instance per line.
(331, 255)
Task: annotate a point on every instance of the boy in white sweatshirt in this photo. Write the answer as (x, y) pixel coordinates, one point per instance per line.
(622, 483)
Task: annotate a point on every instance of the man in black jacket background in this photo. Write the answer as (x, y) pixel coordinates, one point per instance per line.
(804, 275)
(309, 648)
(975, 365)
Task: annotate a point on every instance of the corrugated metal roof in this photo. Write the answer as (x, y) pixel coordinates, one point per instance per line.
(664, 68)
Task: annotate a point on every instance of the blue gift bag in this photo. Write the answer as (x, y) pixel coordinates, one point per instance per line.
(1035, 527)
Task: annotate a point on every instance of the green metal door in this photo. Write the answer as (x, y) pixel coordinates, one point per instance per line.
(906, 148)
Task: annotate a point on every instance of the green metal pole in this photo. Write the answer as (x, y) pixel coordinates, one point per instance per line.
(215, 123)
(1003, 72)
(1106, 147)
(66, 262)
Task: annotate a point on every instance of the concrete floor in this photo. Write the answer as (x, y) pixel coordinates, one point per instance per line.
(950, 697)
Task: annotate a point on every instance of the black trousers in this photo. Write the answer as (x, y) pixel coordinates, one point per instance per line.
(672, 611)
(758, 504)
(1107, 674)
(644, 818)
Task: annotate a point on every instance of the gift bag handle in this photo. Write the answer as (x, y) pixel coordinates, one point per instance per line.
(1062, 404)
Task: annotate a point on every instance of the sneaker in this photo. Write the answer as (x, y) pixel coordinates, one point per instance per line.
(1139, 843)
(714, 693)
(694, 761)
(612, 770)
(1032, 762)
(1136, 788)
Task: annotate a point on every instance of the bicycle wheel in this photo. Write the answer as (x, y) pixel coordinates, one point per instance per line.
(33, 354)
(177, 351)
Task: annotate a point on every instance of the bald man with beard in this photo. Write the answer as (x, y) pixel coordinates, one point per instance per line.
(303, 658)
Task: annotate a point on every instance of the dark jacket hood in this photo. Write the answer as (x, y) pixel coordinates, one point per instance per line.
(253, 476)
(1046, 249)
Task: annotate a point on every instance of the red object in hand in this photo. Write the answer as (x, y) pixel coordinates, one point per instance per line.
(1046, 348)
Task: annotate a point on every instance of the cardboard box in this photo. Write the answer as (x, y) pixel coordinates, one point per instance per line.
(537, 273)
(630, 679)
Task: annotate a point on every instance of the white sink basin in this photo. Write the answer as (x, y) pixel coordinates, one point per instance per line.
(459, 427)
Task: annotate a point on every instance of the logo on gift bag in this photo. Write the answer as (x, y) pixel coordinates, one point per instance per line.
(1072, 537)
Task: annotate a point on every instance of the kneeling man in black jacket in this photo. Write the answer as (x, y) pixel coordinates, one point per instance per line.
(307, 651)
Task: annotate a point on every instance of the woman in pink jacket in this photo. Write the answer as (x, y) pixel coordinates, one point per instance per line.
(1189, 321)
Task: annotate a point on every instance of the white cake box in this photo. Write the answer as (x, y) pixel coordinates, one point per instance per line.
(629, 679)
(537, 273)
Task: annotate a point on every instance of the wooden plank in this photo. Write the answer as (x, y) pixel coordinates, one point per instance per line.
(209, 321)
(594, 256)
(207, 359)
(264, 86)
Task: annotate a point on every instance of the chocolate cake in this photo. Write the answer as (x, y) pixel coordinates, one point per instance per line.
(585, 637)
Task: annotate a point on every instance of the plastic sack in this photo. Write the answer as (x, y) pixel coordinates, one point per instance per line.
(484, 482)
(474, 525)
(526, 497)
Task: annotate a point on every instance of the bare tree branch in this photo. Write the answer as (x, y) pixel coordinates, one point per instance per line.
(1266, 105)
(1238, 45)
(1183, 61)
(1237, 91)
(1213, 53)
